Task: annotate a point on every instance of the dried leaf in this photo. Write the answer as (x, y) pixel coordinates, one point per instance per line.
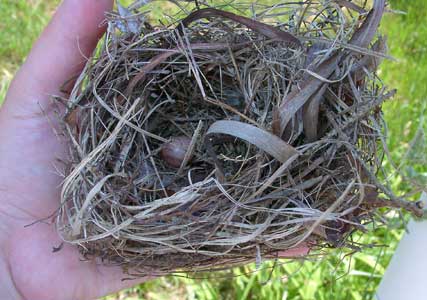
(264, 140)
(361, 38)
(295, 100)
(368, 62)
(365, 33)
(311, 114)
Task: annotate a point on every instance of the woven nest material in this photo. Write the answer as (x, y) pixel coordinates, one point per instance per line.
(230, 134)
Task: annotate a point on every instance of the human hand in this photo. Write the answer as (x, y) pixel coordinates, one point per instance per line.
(29, 183)
(29, 150)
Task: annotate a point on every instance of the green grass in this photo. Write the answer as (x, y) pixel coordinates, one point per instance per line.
(406, 113)
(338, 275)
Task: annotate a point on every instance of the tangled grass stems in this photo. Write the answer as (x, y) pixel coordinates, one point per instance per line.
(280, 115)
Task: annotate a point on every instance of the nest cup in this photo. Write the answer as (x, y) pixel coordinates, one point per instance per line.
(230, 134)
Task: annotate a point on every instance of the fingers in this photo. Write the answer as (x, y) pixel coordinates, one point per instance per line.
(112, 280)
(300, 251)
(60, 52)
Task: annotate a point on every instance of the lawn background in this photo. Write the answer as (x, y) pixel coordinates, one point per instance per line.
(337, 276)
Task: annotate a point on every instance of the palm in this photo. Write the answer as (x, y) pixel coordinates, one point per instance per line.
(29, 151)
(38, 272)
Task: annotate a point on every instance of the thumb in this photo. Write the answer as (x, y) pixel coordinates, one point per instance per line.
(29, 146)
(58, 55)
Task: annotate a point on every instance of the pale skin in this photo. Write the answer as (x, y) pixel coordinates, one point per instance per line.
(29, 151)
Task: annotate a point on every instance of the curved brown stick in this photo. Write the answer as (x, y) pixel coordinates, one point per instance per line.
(160, 58)
(264, 29)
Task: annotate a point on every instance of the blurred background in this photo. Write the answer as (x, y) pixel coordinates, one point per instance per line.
(340, 274)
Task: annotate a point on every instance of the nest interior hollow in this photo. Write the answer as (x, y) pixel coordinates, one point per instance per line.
(280, 108)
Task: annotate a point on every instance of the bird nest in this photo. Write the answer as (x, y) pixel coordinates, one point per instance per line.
(226, 134)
